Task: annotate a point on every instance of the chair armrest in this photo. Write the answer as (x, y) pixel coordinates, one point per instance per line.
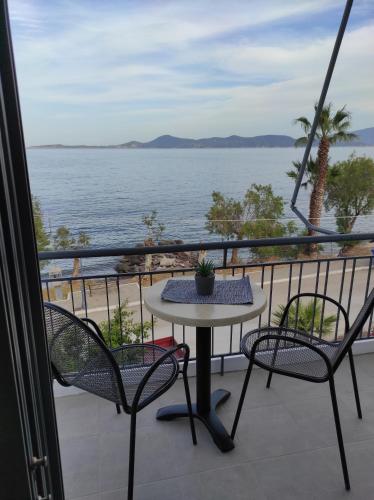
(95, 326)
(293, 340)
(317, 296)
(158, 363)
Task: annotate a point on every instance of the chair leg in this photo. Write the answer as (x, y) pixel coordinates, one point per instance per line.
(241, 400)
(118, 408)
(269, 379)
(354, 380)
(189, 405)
(339, 433)
(272, 364)
(130, 486)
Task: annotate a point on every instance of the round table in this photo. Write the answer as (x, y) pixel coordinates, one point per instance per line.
(203, 317)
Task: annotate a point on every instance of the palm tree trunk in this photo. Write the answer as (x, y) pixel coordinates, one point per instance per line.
(76, 267)
(318, 192)
(234, 253)
(234, 256)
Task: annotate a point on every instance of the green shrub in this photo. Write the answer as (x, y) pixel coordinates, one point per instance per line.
(306, 317)
(122, 329)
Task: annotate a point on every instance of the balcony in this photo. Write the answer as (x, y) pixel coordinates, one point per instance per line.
(285, 447)
(286, 444)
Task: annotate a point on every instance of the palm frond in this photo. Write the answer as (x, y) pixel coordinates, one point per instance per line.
(340, 116)
(342, 136)
(304, 122)
(292, 174)
(301, 141)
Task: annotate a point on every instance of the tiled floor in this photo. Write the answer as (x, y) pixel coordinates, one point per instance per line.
(286, 444)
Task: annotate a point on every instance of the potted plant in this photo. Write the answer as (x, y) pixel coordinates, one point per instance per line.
(204, 277)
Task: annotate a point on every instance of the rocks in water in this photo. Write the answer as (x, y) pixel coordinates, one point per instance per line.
(158, 261)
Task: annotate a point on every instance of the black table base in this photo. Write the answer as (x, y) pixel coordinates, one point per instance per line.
(211, 421)
(206, 403)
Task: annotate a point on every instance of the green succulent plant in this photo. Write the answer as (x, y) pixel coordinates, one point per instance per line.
(205, 268)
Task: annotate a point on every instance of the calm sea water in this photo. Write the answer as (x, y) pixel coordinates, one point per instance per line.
(107, 192)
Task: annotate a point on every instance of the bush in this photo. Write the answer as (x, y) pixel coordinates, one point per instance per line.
(122, 329)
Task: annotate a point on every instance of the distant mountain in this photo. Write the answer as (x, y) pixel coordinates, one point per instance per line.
(171, 142)
(234, 141)
(365, 138)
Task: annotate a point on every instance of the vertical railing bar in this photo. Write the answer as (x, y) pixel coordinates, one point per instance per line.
(184, 326)
(172, 325)
(271, 293)
(289, 288)
(119, 309)
(367, 293)
(224, 258)
(141, 305)
(212, 341)
(84, 296)
(152, 317)
(108, 312)
(289, 282)
(48, 294)
(340, 298)
(270, 299)
(327, 271)
(315, 300)
(72, 295)
(354, 260)
(241, 324)
(262, 286)
(298, 291)
(231, 326)
(372, 312)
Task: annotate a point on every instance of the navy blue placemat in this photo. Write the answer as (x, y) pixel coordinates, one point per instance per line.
(225, 292)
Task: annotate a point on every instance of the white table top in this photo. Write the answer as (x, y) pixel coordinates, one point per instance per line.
(207, 315)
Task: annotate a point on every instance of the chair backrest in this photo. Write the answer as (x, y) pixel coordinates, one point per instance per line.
(79, 357)
(355, 329)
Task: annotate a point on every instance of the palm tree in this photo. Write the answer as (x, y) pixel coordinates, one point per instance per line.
(332, 128)
(307, 317)
(310, 172)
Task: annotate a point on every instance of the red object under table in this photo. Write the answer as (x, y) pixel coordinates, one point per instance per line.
(168, 343)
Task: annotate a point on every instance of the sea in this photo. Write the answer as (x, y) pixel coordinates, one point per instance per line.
(107, 192)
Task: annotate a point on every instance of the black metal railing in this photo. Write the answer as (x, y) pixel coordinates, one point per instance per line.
(348, 279)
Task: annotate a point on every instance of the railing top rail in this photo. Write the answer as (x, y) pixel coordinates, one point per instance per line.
(190, 247)
(233, 267)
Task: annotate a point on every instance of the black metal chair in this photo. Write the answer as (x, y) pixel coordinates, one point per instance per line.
(131, 376)
(301, 355)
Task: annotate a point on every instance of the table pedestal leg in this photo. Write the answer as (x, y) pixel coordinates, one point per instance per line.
(206, 403)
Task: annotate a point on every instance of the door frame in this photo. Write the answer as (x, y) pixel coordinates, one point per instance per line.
(28, 429)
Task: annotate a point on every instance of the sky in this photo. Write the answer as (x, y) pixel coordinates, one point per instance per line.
(94, 72)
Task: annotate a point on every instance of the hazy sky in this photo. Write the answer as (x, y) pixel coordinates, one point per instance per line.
(106, 72)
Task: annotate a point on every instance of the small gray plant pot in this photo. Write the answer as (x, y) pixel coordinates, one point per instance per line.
(204, 284)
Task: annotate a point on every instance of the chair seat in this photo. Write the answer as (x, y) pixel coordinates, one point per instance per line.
(291, 359)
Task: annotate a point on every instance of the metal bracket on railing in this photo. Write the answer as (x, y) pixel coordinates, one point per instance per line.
(325, 88)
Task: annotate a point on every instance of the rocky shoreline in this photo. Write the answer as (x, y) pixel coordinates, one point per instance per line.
(158, 261)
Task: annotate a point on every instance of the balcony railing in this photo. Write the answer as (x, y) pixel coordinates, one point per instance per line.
(347, 279)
